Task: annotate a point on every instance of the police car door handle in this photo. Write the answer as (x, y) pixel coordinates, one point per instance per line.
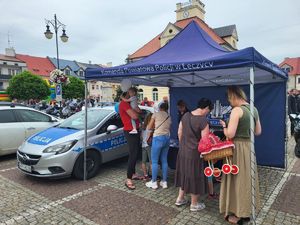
(30, 128)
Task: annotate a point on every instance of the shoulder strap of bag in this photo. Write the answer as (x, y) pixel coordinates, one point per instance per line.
(163, 122)
(194, 132)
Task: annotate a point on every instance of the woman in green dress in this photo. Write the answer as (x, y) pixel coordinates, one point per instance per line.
(235, 193)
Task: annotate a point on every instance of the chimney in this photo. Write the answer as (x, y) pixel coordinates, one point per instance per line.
(10, 52)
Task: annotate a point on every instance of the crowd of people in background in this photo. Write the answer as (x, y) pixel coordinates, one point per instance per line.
(153, 140)
(293, 105)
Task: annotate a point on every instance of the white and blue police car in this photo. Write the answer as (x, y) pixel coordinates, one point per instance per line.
(58, 151)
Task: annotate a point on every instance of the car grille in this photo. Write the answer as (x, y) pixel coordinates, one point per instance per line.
(28, 159)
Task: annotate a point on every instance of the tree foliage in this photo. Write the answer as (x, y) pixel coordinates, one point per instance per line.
(118, 94)
(26, 85)
(75, 89)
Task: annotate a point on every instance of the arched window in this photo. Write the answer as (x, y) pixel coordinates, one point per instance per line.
(154, 94)
(140, 94)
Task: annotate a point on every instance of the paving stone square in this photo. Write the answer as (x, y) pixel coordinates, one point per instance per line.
(109, 206)
(50, 188)
(105, 199)
(289, 199)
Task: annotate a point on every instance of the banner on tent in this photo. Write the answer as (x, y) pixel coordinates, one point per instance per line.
(160, 68)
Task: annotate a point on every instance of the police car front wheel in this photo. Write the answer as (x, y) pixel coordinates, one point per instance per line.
(92, 165)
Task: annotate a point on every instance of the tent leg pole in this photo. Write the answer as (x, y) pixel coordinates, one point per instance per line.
(85, 130)
(253, 157)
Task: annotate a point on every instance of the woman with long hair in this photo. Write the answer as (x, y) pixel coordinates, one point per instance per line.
(235, 193)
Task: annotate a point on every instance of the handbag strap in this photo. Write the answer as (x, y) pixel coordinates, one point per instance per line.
(162, 122)
(192, 129)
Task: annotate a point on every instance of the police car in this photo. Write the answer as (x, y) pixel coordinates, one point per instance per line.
(58, 151)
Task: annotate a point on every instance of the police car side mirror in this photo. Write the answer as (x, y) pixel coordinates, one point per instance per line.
(111, 128)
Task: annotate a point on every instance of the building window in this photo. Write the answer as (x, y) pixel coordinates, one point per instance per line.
(287, 69)
(4, 63)
(16, 64)
(140, 94)
(298, 80)
(1, 86)
(97, 87)
(155, 94)
(13, 72)
(233, 44)
(93, 87)
(81, 73)
(67, 72)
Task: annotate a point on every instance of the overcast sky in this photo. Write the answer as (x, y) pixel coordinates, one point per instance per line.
(107, 31)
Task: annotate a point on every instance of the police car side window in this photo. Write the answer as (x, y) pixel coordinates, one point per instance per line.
(114, 120)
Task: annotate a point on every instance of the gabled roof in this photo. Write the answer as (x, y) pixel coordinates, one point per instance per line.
(63, 63)
(9, 58)
(154, 44)
(294, 63)
(225, 31)
(37, 65)
(87, 65)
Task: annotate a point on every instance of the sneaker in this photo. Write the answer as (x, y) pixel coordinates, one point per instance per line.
(134, 131)
(152, 185)
(198, 207)
(163, 184)
(181, 202)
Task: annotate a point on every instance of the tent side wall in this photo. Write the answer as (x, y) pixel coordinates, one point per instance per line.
(270, 100)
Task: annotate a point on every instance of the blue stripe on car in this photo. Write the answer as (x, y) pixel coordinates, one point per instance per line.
(106, 145)
(52, 134)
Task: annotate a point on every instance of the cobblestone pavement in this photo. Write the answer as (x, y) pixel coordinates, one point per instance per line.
(105, 199)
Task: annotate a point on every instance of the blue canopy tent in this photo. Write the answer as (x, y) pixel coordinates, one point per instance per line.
(192, 65)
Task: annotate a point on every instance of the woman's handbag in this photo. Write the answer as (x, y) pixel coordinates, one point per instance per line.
(150, 138)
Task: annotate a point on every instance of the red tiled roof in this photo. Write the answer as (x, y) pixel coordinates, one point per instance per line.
(9, 58)
(294, 63)
(37, 65)
(154, 44)
(149, 48)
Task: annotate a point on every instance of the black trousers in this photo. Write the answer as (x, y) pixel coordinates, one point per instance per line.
(292, 126)
(133, 141)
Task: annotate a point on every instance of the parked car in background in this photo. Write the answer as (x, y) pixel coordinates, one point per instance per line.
(18, 122)
(59, 151)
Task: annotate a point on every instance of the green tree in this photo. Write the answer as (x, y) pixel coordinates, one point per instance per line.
(118, 95)
(75, 89)
(26, 85)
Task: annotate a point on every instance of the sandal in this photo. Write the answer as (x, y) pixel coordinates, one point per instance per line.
(146, 178)
(130, 186)
(137, 177)
(213, 196)
(239, 222)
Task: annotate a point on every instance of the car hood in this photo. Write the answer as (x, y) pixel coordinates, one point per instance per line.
(51, 135)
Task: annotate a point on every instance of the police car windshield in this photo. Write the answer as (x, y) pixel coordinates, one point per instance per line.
(95, 116)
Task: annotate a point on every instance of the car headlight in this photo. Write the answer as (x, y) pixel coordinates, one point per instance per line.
(60, 148)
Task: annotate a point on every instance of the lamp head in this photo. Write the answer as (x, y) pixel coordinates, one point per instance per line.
(48, 33)
(64, 37)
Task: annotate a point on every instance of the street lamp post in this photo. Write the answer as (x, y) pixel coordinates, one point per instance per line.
(56, 24)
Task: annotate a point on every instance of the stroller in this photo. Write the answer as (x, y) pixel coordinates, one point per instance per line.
(211, 149)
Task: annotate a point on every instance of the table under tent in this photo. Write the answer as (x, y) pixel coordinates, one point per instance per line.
(193, 65)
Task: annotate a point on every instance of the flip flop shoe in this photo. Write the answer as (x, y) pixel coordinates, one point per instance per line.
(129, 186)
